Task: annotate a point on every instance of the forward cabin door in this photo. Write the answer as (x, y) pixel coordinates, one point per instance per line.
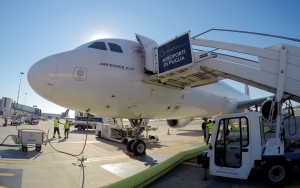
(149, 61)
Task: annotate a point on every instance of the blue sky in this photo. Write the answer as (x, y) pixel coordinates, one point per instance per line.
(32, 30)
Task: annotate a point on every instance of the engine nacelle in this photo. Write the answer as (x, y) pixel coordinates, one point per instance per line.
(177, 123)
(265, 110)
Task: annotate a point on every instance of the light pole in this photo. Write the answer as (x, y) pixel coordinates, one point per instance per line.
(25, 99)
(19, 87)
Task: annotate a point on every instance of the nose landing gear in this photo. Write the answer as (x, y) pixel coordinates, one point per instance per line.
(137, 146)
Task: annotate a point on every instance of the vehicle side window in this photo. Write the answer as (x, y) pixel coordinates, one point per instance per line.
(115, 48)
(98, 45)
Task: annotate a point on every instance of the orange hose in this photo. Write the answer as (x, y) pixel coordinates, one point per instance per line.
(86, 133)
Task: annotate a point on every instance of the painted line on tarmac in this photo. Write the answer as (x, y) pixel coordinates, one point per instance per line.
(5, 174)
(191, 164)
(14, 161)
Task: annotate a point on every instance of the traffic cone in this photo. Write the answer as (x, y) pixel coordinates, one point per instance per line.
(168, 132)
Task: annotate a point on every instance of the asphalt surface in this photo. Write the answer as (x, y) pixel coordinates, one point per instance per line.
(106, 160)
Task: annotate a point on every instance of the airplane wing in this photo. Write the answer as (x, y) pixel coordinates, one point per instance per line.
(245, 104)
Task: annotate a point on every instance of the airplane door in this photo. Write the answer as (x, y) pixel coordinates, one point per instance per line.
(231, 155)
(148, 45)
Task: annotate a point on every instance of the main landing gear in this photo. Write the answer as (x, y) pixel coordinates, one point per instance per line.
(137, 146)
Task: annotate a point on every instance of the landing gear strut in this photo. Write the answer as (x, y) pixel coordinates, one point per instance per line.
(137, 146)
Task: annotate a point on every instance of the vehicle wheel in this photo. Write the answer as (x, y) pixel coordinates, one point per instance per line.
(99, 134)
(129, 144)
(24, 149)
(139, 147)
(276, 172)
(79, 127)
(38, 148)
(125, 141)
(10, 123)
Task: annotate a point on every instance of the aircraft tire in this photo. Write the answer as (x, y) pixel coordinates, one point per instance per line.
(129, 144)
(79, 127)
(139, 147)
(276, 172)
(125, 141)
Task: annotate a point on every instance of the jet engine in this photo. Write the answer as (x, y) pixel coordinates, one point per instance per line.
(177, 123)
(265, 110)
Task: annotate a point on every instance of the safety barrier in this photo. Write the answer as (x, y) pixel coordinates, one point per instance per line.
(149, 175)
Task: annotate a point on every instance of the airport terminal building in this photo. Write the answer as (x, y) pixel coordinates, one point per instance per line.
(8, 107)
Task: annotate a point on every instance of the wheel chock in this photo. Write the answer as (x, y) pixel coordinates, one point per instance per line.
(130, 154)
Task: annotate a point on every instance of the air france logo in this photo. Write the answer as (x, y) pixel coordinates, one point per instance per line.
(122, 67)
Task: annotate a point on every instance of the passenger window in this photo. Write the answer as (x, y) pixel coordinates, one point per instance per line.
(115, 48)
(98, 45)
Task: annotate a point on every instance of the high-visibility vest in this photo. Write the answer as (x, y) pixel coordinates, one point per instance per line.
(56, 123)
(210, 127)
(67, 125)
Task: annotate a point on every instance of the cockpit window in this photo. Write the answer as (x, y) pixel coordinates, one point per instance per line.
(98, 45)
(115, 48)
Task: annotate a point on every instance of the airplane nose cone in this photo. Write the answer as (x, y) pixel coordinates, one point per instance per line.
(41, 76)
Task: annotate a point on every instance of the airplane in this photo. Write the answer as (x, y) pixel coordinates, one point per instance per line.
(104, 77)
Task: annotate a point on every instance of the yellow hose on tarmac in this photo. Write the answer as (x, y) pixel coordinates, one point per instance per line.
(149, 175)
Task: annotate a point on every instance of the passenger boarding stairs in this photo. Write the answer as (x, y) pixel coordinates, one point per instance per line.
(276, 70)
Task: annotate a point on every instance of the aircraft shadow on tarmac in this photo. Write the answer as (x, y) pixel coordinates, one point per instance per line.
(190, 132)
(122, 147)
(148, 160)
(90, 132)
(17, 153)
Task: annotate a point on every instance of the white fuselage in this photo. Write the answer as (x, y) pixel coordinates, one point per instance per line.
(110, 84)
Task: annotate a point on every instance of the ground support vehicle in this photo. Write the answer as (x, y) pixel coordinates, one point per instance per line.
(15, 121)
(82, 126)
(238, 142)
(34, 121)
(80, 122)
(123, 133)
(29, 138)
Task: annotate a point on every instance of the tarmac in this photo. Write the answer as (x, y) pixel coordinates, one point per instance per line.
(106, 160)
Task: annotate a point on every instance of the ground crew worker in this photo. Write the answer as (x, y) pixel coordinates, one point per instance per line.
(67, 128)
(210, 126)
(204, 130)
(56, 127)
(5, 121)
